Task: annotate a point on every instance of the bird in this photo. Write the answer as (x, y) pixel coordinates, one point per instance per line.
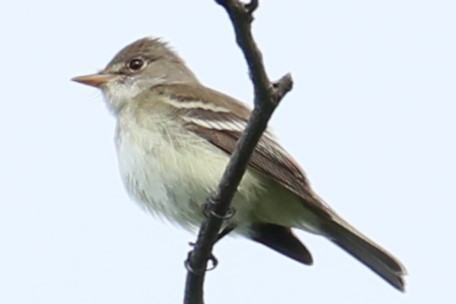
(174, 137)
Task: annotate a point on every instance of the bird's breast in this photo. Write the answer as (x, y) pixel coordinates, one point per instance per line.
(171, 171)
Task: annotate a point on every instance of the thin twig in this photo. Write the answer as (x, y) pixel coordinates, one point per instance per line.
(267, 97)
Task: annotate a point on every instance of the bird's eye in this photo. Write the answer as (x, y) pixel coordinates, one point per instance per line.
(136, 64)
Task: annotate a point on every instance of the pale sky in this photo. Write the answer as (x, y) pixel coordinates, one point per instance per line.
(372, 120)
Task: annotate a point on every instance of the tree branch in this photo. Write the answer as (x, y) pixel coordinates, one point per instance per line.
(267, 97)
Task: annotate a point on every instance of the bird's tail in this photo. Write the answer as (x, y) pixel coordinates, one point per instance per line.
(366, 251)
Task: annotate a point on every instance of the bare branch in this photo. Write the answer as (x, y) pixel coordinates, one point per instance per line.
(267, 97)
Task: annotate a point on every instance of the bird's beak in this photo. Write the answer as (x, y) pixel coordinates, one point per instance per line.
(95, 80)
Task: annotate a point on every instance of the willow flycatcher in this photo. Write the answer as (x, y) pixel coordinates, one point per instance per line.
(174, 138)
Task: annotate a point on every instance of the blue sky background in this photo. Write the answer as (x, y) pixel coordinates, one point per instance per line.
(371, 119)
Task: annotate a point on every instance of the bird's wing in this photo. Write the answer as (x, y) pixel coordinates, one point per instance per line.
(221, 119)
